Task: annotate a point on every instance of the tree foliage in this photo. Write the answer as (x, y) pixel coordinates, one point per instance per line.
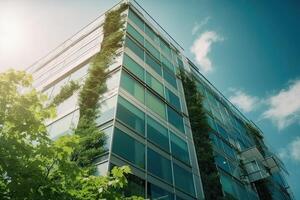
(36, 168)
(200, 128)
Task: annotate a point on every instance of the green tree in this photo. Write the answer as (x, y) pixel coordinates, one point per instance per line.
(34, 167)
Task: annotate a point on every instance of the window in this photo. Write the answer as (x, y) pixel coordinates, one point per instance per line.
(154, 84)
(167, 63)
(61, 126)
(159, 166)
(131, 116)
(183, 179)
(222, 163)
(155, 104)
(211, 123)
(165, 48)
(222, 131)
(170, 78)
(128, 148)
(228, 150)
(133, 87)
(133, 67)
(135, 186)
(152, 50)
(135, 19)
(157, 193)
(175, 119)
(153, 64)
(173, 99)
(227, 184)
(107, 110)
(157, 134)
(134, 47)
(151, 34)
(179, 148)
(135, 34)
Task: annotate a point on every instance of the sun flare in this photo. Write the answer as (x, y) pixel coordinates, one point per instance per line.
(11, 33)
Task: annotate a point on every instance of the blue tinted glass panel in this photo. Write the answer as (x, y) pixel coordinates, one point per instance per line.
(157, 133)
(179, 148)
(181, 174)
(131, 116)
(128, 148)
(157, 193)
(135, 34)
(135, 19)
(133, 46)
(134, 67)
(173, 99)
(175, 119)
(159, 166)
(170, 78)
(153, 64)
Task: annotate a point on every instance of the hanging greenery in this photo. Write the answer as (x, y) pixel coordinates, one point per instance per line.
(65, 92)
(200, 129)
(92, 140)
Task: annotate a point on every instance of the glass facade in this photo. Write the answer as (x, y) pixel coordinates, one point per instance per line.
(144, 114)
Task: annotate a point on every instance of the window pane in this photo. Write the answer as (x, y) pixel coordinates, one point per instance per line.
(228, 150)
(133, 87)
(155, 104)
(128, 148)
(179, 148)
(153, 64)
(152, 50)
(131, 116)
(167, 63)
(151, 34)
(133, 67)
(154, 84)
(137, 20)
(157, 133)
(181, 174)
(159, 166)
(135, 186)
(157, 193)
(134, 47)
(173, 99)
(165, 48)
(135, 34)
(170, 78)
(61, 127)
(175, 119)
(227, 184)
(222, 163)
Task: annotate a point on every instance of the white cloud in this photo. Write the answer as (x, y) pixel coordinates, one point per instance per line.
(284, 107)
(202, 46)
(243, 101)
(292, 151)
(198, 26)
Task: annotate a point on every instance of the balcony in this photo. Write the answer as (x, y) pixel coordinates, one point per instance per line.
(252, 153)
(255, 170)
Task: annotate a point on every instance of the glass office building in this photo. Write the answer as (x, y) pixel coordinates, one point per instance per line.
(145, 117)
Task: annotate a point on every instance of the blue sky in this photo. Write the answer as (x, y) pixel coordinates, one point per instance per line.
(248, 49)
